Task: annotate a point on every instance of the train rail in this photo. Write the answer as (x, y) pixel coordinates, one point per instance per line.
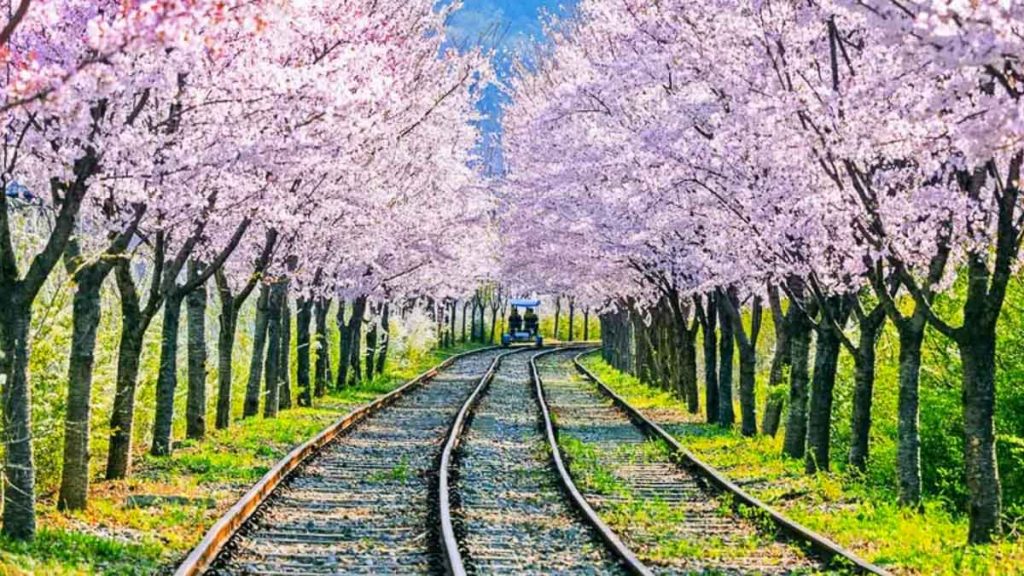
(677, 514)
(355, 499)
(509, 515)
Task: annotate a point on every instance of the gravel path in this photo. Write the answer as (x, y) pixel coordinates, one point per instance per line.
(362, 505)
(669, 518)
(512, 517)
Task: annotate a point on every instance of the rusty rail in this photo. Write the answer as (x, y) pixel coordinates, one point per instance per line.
(222, 531)
(824, 548)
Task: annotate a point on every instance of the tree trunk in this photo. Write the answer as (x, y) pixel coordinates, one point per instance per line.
(465, 307)
(385, 335)
(688, 370)
(167, 378)
(494, 323)
(284, 366)
(572, 320)
(195, 414)
(86, 311)
(863, 389)
(586, 331)
(710, 361)
(344, 346)
(272, 384)
(225, 357)
(795, 440)
(355, 324)
(819, 418)
(303, 320)
(322, 368)
(451, 325)
(122, 418)
(977, 353)
(558, 314)
(748, 371)
(259, 344)
(776, 400)
(908, 453)
(19, 515)
(371, 349)
(726, 416)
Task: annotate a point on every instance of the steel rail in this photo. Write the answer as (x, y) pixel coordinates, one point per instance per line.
(203, 555)
(454, 566)
(614, 543)
(824, 548)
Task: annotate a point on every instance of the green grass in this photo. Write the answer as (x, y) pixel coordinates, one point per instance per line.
(650, 525)
(855, 511)
(186, 492)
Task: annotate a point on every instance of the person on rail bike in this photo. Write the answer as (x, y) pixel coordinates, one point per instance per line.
(530, 319)
(515, 321)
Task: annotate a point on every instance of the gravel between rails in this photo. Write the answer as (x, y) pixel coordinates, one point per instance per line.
(361, 505)
(511, 516)
(668, 517)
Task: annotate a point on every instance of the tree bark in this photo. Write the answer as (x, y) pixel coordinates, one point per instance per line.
(572, 319)
(863, 390)
(355, 329)
(708, 322)
(795, 440)
(86, 311)
(284, 370)
(726, 416)
(302, 351)
(129, 354)
(259, 344)
(272, 385)
(908, 453)
(586, 332)
(819, 418)
(225, 356)
(344, 346)
(384, 336)
(558, 314)
(747, 345)
(195, 414)
(322, 368)
(19, 513)
(977, 352)
(494, 323)
(776, 400)
(167, 378)
(371, 349)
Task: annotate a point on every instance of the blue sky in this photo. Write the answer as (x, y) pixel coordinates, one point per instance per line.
(516, 25)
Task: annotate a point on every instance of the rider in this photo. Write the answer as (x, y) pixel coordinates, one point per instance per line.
(530, 319)
(515, 321)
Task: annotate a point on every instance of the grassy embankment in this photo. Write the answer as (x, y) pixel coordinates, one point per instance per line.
(858, 512)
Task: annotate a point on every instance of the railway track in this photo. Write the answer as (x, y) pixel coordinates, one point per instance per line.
(509, 514)
(361, 504)
(676, 516)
